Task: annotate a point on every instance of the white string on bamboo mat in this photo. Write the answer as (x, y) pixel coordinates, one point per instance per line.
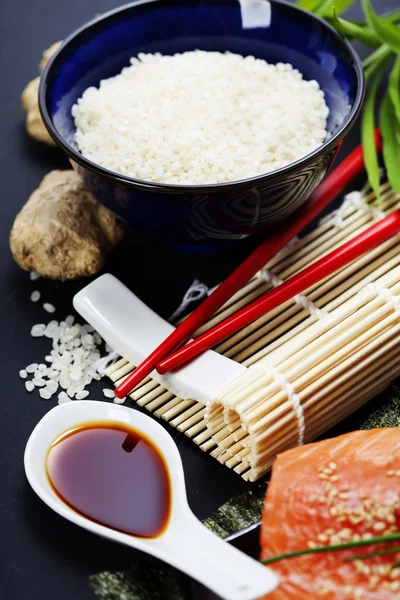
(356, 199)
(196, 291)
(290, 243)
(379, 290)
(105, 362)
(301, 299)
(293, 397)
(211, 290)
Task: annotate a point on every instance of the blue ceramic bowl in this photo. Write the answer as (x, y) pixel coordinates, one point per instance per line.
(209, 215)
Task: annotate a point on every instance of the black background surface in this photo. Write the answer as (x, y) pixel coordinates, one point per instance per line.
(42, 556)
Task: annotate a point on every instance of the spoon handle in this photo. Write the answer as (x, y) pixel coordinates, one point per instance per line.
(224, 569)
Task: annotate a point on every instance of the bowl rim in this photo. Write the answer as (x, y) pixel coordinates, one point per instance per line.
(169, 188)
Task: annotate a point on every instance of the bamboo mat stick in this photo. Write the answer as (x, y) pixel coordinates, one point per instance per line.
(194, 423)
(195, 429)
(159, 401)
(188, 414)
(170, 409)
(116, 367)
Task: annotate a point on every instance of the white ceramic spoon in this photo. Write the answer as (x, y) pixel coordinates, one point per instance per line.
(186, 543)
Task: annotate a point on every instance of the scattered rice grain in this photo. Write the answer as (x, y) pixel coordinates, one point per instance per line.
(38, 330)
(119, 400)
(35, 296)
(45, 394)
(63, 397)
(71, 391)
(49, 307)
(37, 382)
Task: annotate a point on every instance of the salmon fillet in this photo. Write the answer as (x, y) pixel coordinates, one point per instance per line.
(329, 492)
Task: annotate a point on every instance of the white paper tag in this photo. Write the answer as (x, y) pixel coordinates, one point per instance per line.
(255, 13)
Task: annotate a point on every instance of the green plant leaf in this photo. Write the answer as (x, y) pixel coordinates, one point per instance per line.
(391, 148)
(325, 7)
(367, 133)
(342, 5)
(348, 29)
(310, 5)
(379, 55)
(388, 32)
(394, 88)
(394, 93)
(392, 17)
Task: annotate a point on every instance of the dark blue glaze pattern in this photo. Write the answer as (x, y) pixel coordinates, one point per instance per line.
(208, 215)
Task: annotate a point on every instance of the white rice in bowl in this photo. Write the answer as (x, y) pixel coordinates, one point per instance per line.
(200, 118)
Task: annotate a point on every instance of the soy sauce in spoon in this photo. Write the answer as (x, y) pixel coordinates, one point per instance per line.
(113, 475)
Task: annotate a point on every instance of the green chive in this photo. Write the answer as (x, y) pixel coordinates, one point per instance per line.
(391, 149)
(388, 32)
(319, 549)
(349, 29)
(392, 550)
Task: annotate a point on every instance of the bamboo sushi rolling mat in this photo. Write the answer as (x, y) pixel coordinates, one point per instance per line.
(311, 362)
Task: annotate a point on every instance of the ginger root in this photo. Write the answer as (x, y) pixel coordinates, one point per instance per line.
(34, 124)
(30, 102)
(47, 54)
(63, 232)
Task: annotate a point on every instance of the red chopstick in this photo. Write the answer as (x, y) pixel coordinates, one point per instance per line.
(329, 189)
(327, 265)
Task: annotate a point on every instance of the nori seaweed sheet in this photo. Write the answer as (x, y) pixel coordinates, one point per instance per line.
(150, 579)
